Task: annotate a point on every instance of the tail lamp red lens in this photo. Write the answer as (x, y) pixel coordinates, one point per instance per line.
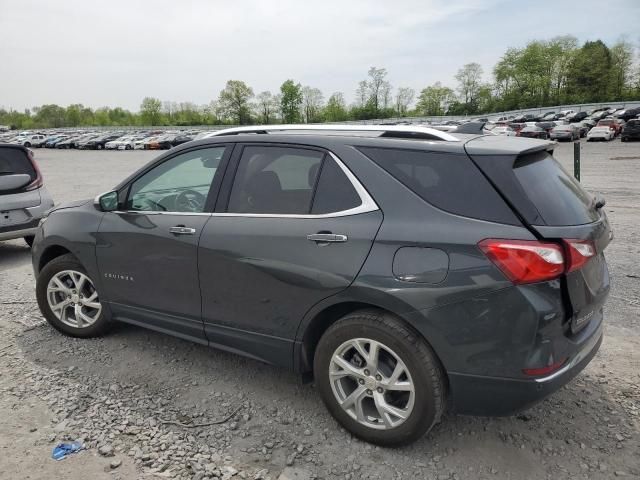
(531, 261)
(546, 370)
(38, 181)
(525, 261)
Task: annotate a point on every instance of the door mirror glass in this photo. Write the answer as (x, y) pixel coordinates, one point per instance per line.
(108, 202)
(13, 182)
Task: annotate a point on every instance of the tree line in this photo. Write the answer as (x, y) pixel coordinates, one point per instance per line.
(542, 73)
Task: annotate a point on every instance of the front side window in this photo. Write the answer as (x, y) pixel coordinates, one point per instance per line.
(181, 184)
(275, 180)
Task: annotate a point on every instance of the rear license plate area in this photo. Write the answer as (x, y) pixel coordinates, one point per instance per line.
(12, 217)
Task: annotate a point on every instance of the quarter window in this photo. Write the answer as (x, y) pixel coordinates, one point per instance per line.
(181, 184)
(335, 193)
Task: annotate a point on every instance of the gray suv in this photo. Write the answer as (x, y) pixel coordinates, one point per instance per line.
(407, 270)
(23, 197)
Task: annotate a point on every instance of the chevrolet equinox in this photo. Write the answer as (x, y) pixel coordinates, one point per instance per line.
(407, 269)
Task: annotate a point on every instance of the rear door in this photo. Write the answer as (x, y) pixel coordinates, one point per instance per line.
(294, 227)
(556, 207)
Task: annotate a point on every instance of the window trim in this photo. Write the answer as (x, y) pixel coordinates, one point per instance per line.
(367, 204)
(216, 182)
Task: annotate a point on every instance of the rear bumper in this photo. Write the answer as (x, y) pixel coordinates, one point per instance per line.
(492, 396)
(34, 214)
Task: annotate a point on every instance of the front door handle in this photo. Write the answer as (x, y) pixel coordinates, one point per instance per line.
(182, 230)
(327, 238)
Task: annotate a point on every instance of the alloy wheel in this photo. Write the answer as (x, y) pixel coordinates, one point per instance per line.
(371, 383)
(73, 299)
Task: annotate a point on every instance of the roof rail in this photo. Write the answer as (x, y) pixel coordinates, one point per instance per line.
(389, 131)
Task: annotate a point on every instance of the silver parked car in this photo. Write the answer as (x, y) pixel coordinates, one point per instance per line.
(23, 198)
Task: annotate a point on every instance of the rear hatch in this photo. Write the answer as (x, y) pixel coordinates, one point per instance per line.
(555, 207)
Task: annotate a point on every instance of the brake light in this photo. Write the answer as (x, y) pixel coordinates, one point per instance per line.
(38, 181)
(579, 252)
(525, 261)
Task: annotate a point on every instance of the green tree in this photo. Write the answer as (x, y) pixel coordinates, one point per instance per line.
(621, 70)
(150, 111)
(435, 100)
(50, 116)
(336, 109)
(290, 101)
(233, 101)
(469, 79)
(589, 73)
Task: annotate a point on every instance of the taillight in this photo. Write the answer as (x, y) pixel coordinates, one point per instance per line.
(525, 261)
(38, 181)
(579, 252)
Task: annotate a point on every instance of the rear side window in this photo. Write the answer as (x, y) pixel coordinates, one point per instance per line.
(276, 180)
(448, 181)
(557, 196)
(15, 161)
(334, 193)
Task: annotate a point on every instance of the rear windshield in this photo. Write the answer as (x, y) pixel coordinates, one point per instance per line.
(450, 182)
(557, 196)
(15, 161)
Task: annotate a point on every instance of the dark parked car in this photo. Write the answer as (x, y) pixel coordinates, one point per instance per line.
(98, 143)
(533, 132)
(631, 131)
(529, 117)
(168, 141)
(577, 117)
(628, 114)
(272, 244)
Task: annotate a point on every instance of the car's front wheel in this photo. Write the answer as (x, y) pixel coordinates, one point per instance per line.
(379, 379)
(68, 299)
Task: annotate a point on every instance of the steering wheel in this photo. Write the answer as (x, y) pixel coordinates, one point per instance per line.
(189, 201)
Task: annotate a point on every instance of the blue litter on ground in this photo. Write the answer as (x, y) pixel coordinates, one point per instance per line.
(63, 449)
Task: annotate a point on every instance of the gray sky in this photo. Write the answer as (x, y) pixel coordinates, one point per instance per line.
(117, 52)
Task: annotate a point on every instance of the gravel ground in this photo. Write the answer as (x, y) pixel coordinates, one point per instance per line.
(152, 406)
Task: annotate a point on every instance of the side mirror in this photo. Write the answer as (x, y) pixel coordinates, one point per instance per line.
(107, 202)
(13, 182)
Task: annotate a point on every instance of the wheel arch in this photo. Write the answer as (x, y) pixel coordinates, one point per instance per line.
(50, 253)
(321, 320)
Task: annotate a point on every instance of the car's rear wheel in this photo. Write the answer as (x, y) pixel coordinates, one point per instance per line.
(379, 379)
(68, 299)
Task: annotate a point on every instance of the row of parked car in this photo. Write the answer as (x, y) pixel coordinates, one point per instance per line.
(147, 140)
(593, 128)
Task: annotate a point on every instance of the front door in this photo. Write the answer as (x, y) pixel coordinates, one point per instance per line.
(296, 230)
(147, 250)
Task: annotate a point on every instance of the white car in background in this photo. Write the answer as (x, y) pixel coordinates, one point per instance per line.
(600, 133)
(122, 143)
(504, 130)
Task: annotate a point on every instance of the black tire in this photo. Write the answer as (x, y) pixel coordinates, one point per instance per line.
(66, 262)
(420, 360)
(27, 144)
(98, 147)
(29, 240)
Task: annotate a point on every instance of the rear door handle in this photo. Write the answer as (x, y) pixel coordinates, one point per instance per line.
(327, 238)
(182, 230)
